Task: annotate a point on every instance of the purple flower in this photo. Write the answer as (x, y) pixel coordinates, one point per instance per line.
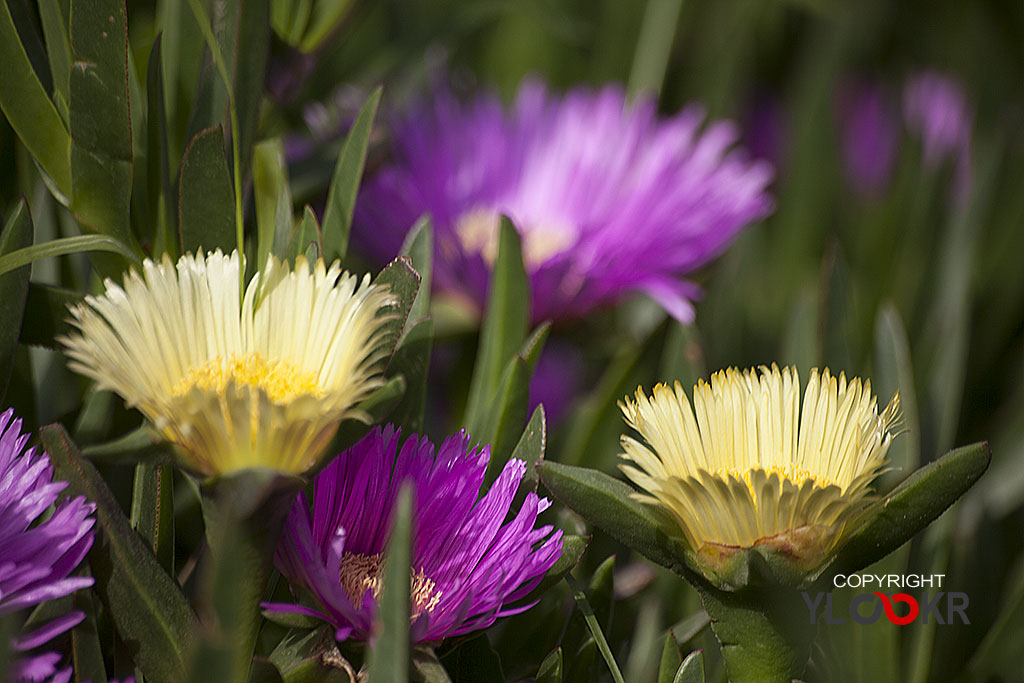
(38, 556)
(608, 197)
(935, 109)
(468, 564)
(869, 133)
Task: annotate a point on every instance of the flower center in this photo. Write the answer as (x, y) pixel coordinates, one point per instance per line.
(360, 573)
(278, 379)
(794, 474)
(477, 229)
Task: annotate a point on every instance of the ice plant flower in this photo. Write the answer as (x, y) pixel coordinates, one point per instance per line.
(935, 109)
(608, 197)
(260, 380)
(469, 566)
(870, 137)
(38, 554)
(748, 465)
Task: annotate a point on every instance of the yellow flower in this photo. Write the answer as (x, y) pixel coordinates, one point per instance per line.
(747, 465)
(256, 381)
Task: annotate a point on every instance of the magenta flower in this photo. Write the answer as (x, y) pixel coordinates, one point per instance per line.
(935, 109)
(37, 556)
(469, 566)
(608, 198)
(870, 137)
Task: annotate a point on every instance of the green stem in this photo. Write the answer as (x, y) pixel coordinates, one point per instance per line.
(595, 628)
(765, 637)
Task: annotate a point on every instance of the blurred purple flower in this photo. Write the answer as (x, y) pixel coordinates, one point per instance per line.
(557, 379)
(935, 109)
(608, 198)
(38, 556)
(765, 130)
(468, 564)
(869, 137)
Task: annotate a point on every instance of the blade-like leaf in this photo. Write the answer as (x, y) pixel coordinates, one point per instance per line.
(86, 653)
(894, 372)
(312, 657)
(504, 327)
(148, 608)
(419, 247)
(161, 204)
(58, 50)
(341, 197)
(671, 660)
(62, 246)
(506, 415)
(550, 670)
(152, 512)
(29, 110)
(692, 669)
(16, 235)
(205, 197)
(595, 628)
(404, 283)
(530, 450)
(306, 237)
(572, 550)
(388, 660)
(273, 200)
(49, 306)
(101, 129)
(412, 361)
(607, 504)
(910, 507)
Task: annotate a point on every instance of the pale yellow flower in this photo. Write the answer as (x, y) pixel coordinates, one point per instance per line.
(260, 380)
(748, 462)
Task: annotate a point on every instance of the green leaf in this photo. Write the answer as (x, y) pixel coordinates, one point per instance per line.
(503, 330)
(312, 657)
(101, 129)
(273, 200)
(910, 507)
(341, 197)
(595, 628)
(388, 660)
(530, 450)
(29, 110)
(894, 372)
(572, 550)
(692, 669)
(58, 50)
(323, 20)
(86, 653)
(244, 513)
(550, 670)
(49, 319)
(62, 246)
(161, 208)
(653, 47)
(412, 361)
(152, 512)
(506, 415)
(143, 445)
(16, 235)
(671, 660)
(306, 237)
(607, 504)
(205, 196)
(426, 667)
(148, 608)
(248, 44)
(404, 283)
(683, 358)
(419, 247)
(263, 671)
(377, 406)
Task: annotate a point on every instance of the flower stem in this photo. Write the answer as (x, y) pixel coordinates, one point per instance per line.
(765, 636)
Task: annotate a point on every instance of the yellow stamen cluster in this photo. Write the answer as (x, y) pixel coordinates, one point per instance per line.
(279, 380)
(361, 573)
(748, 462)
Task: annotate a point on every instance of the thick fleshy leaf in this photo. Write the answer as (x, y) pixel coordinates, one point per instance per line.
(419, 247)
(161, 203)
(388, 660)
(606, 503)
(692, 669)
(530, 450)
(306, 238)
(62, 246)
(426, 667)
(17, 234)
(572, 550)
(152, 512)
(148, 608)
(101, 127)
(506, 415)
(671, 660)
(86, 652)
(58, 49)
(908, 508)
(273, 200)
(404, 283)
(550, 670)
(311, 657)
(894, 372)
(412, 360)
(206, 209)
(341, 197)
(503, 330)
(29, 110)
